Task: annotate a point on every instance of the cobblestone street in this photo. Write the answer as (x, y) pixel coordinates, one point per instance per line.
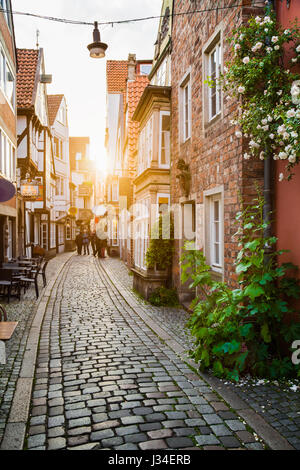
(112, 373)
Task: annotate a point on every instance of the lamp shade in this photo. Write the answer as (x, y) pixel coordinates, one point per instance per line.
(97, 48)
(7, 190)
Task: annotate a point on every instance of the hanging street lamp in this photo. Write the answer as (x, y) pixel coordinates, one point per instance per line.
(97, 48)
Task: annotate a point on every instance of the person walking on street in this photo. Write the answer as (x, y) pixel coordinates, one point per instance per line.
(78, 241)
(102, 235)
(86, 242)
(94, 242)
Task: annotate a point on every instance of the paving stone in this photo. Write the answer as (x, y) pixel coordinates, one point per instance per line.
(37, 440)
(208, 439)
(132, 420)
(245, 436)
(125, 430)
(153, 445)
(160, 433)
(75, 423)
(106, 425)
(112, 442)
(220, 430)
(56, 443)
(230, 441)
(179, 442)
(235, 425)
(55, 421)
(212, 419)
(135, 438)
(99, 435)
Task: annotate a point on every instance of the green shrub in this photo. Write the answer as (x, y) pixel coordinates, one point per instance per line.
(161, 247)
(243, 330)
(163, 297)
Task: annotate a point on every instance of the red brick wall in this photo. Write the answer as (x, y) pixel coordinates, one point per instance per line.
(215, 155)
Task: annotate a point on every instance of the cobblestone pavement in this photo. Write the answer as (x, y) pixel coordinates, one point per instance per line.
(104, 379)
(277, 403)
(22, 311)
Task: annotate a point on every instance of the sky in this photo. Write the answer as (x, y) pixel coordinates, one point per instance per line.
(80, 78)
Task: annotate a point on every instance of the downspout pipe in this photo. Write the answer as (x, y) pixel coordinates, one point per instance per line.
(268, 166)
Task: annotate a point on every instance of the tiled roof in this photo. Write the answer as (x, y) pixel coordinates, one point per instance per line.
(54, 102)
(116, 75)
(27, 69)
(135, 91)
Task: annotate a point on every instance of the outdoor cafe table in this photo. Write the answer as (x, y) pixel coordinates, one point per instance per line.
(17, 268)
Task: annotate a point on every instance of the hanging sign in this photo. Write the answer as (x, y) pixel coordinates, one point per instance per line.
(7, 190)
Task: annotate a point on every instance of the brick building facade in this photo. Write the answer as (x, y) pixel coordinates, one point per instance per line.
(9, 220)
(212, 172)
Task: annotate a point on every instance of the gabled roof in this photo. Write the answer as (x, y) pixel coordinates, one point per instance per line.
(28, 60)
(116, 76)
(135, 91)
(54, 102)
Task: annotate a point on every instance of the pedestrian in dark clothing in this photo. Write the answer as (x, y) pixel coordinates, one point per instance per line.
(98, 247)
(86, 242)
(78, 241)
(93, 242)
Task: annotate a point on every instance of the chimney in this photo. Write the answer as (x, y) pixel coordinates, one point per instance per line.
(131, 66)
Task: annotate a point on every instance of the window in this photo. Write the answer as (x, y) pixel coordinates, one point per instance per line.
(214, 92)
(7, 79)
(164, 141)
(214, 231)
(58, 148)
(44, 235)
(61, 238)
(59, 187)
(7, 157)
(145, 69)
(212, 70)
(186, 112)
(115, 192)
(141, 233)
(145, 146)
(68, 231)
(61, 115)
(5, 5)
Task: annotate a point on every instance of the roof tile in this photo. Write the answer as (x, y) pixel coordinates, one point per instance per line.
(27, 68)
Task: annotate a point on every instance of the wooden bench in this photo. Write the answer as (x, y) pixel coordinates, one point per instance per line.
(7, 329)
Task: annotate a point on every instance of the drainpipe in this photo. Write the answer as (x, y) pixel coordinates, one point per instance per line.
(268, 166)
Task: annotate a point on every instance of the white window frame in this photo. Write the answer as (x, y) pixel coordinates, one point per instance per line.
(215, 42)
(7, 157)
(186, 107)
(217, 90)
(115, 192)
(6, 68)
(5, 5)
(44, 235)
(210, 197)
(168, 155)
(141, 233)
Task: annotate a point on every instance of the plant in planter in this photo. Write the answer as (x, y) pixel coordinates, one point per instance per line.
(245, 329)
(161, 248)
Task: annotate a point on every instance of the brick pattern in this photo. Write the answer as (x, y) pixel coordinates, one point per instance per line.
(214, 153)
